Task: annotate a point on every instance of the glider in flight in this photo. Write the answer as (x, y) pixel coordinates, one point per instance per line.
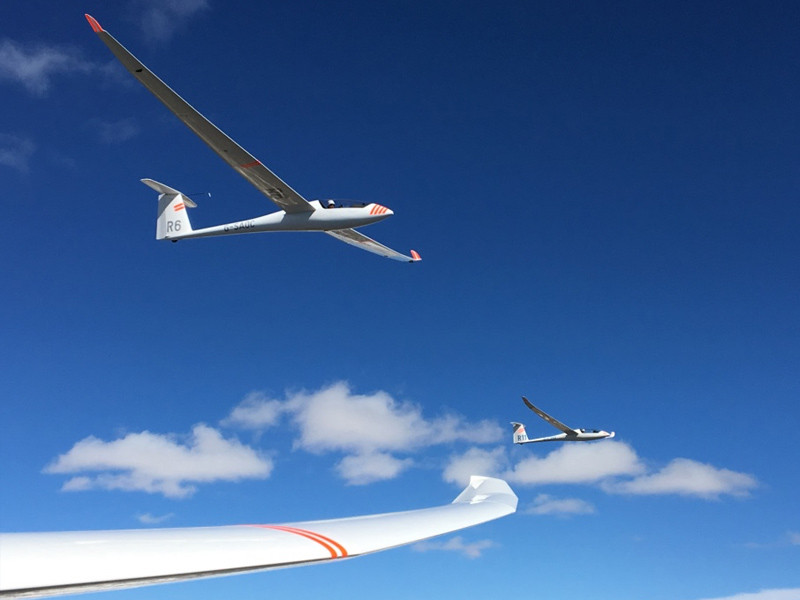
(296, 214)
(569, 434)
(36, 565)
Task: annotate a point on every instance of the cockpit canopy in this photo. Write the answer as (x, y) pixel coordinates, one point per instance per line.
(333, 203)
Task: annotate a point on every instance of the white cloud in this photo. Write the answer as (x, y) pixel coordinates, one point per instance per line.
(577, 463)
(544, 504)
(115, 132)
(687, 477)
(148, 519)
(360, 469)
(369, 428)
(475, 461)
(162, 18)
(155, 463)
(256, 411)
(614, 466)
(336, 419)
(33, 67)
(456, 544)
(16, 152)
(770, 594)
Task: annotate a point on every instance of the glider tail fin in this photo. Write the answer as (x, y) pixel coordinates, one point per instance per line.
(173, 221)
(519, 435)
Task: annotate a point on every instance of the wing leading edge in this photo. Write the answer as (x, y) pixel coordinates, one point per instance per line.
(247, 165)
(554, 422)
(359, 240)
(50, 564)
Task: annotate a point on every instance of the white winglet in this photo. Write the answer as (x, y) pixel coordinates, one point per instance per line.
(36, 565)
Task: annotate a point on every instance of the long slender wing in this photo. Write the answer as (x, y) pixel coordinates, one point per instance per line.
(35, 565)
(554, 422)
(247, 165)
(359, 240)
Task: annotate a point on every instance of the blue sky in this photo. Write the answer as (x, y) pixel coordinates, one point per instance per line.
(605, 200)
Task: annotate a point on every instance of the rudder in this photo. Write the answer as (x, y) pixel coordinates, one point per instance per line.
(173, 220)
(519, 436)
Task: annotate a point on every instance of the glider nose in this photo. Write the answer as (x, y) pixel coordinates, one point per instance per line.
(376, 210)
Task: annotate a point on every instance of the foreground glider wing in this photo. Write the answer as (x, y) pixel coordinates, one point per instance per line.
(554, 422)
(36, 565)
(359, 240)
(247, 165)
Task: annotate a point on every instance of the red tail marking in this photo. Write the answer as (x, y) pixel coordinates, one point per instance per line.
(415, 255)
(179, 206)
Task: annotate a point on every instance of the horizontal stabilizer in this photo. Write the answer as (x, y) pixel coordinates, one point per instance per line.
(165, 189)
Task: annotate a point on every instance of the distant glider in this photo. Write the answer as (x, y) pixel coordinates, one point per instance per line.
(569, 435)
(296, 214)
(36, 565)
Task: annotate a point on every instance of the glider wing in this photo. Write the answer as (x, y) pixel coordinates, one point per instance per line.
(244, 163)
(554, 422)
(359, 240)
(49, 564)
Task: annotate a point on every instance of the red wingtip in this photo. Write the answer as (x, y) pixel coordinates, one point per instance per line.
(415, 255)
(93, 22)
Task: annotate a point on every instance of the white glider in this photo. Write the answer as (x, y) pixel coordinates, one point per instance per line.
(296, 214)
(569, 435)
(35, 565)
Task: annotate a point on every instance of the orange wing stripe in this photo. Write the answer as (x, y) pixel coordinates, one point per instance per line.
(327, 543)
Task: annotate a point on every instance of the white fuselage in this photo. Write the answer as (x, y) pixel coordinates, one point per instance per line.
(320, 219)
(577, 436)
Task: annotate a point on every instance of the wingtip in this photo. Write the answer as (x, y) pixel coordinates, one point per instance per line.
(415, 257)
(488, 489)
(93, 22)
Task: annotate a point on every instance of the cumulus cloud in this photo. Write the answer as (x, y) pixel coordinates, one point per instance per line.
(687, 477)
(256, 411)
(544, 504)
(160, 19)
(371, 429)
(613, 466)
(475, 461)
(360, 469)
(155, 463)
(769, 594)
(334, 418)
(33, 67)
(16, 152)
(577, 463)
(148, 519)
(115, 132)
(456, 544)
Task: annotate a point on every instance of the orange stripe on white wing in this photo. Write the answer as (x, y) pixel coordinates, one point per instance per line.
(335, 548)
(338, 546)
(179, 206)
